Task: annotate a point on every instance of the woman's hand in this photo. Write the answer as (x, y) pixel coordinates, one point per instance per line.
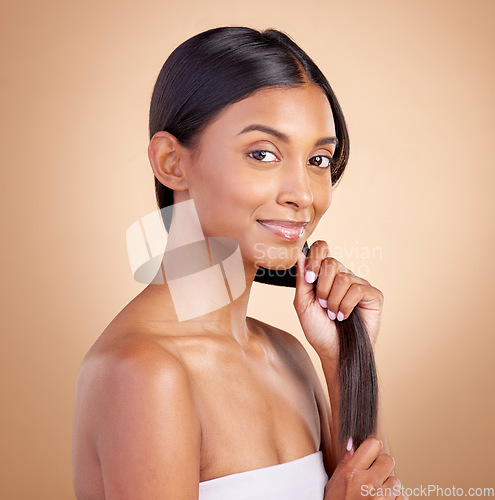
(365, 473)
(338, 291)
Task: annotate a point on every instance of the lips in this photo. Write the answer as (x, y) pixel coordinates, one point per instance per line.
(289, 230)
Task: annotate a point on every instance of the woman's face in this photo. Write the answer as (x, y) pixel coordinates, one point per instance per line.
(246, 183)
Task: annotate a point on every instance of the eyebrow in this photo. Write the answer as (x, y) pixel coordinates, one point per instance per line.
(284, 137)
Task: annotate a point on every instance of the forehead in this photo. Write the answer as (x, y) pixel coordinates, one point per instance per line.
(302, 112)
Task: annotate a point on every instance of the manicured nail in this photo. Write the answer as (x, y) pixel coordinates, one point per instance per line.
(349, 444)
(310, 276)
(323, 302)
(340, 316)
(331, 315)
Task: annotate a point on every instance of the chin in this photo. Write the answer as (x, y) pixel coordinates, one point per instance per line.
(276, 257)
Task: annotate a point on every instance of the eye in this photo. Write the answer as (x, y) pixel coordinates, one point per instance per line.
(260, 155)
(323, 161)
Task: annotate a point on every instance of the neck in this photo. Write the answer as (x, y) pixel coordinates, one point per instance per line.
(207, 282)
(206, 304)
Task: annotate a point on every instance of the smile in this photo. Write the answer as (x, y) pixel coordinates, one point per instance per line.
(287, 230)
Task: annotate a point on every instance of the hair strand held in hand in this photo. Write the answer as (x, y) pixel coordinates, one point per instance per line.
(358, 382)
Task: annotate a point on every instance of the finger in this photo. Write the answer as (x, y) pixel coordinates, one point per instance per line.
(340, 285)
(329, 267)
(358, 291)
(366, 453)
(304, 290)
(317, 252)
(392, 488)
(383, 467)
(346, 456)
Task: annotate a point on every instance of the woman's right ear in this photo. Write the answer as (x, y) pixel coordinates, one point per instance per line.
(167, 158)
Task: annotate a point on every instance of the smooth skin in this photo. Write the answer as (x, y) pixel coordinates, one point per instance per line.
(161, 405)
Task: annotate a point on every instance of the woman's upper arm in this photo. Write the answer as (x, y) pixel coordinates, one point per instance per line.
(147, 431)
(322, 402)
(324, 411)
(303, 360)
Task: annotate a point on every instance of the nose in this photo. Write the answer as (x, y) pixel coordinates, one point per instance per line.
(295, 186)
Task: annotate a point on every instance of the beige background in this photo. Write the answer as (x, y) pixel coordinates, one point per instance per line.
(413, 213)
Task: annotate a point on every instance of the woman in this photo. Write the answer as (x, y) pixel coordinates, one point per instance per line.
(245, 126)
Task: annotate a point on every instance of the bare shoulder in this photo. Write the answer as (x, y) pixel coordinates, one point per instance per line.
(134, 406)
(288, 345)
(129, 363)
(133, 367)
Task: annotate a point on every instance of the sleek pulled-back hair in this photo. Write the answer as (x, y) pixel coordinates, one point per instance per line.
(224, 65)
(219, 67)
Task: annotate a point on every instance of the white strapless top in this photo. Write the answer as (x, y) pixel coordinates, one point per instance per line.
(301, 479)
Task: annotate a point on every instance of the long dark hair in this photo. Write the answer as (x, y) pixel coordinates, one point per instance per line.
(221, 66)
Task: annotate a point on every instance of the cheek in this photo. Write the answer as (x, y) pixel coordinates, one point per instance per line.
(322, 198)
(221, 199)
(328, 197)
(228, 185)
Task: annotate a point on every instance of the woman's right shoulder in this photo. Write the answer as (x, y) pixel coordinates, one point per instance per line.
(130, 364)
(121, 353)
(137, 393)
(132, 342)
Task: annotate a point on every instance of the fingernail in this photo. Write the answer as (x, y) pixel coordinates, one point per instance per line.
(349, 444)
(331, 315)
(310, 276)
(323, 302)
(340, 316)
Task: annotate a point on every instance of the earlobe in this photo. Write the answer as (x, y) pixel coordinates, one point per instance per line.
(166, 157)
